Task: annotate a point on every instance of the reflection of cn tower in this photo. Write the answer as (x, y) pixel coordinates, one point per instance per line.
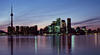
(69, 44)
(11, 45)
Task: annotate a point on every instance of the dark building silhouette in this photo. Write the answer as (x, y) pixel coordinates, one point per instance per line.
(63, 26)
(33, 30)
(98, 30)
(58, 22)
(79, 31)
(69, 25)
(53, 27)
(17, 30)
(11, 30)
(46, 30)
(41, 31)
(73, 31)
(23, 30)
(89, 31)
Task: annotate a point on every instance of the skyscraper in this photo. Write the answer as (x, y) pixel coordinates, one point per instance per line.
(17, 30)
(69, 25)
(63, 27)
(58, 22)
(58, 25)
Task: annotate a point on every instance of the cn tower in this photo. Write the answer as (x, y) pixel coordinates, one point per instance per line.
(12, 28)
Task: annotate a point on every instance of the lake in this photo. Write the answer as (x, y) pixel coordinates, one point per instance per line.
(50, 45)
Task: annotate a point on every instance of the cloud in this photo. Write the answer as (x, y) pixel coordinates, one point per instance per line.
(4, 26)
(88, 21)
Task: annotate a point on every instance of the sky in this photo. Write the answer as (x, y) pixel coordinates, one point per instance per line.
(43, 12)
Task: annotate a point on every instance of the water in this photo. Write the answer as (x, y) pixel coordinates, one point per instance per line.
(50, 45)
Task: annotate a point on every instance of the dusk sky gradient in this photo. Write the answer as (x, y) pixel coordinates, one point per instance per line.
(43, 12)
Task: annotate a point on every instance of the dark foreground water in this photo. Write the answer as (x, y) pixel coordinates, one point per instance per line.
(50, 45)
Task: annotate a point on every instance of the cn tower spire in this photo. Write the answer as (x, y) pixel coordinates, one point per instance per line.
(11, 14)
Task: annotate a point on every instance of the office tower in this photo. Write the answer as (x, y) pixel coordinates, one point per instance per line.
(69, 25)
(63, 27)
(17, 29)
(49, 29)
(79, 31)
(46, 30)
(84, 29)
(41, 31)
(57, 29)
(53, 27)
(22, 30)
(35, 30)
(27, 30)
(11, 30)
(58, 25)
(59, 22)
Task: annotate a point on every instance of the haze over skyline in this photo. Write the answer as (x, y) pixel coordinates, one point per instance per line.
(43, 12)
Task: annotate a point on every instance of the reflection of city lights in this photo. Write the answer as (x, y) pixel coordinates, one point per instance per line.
(44, 41)
(35, 44)
(73, 42)
(95, 40)
(58, 51)
(57, 42)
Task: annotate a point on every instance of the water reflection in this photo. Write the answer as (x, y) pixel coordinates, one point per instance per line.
(10, 44)
(50, 45)
(62, 45)
(69, 41)
(96, 40)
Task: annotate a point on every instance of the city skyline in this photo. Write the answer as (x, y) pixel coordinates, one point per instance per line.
(42, 13)
(49, 27)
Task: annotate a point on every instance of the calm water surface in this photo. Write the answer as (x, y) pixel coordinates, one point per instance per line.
(50, 45)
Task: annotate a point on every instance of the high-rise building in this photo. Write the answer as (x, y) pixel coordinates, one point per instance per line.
(57, 29)
(68, 25)
(63, 27)
(58, 22)
(58, 25)
(17, 30)
(11, 30)
(41, 31)
(50, 29)
(33, 30)
(84, 28)
(22, 30)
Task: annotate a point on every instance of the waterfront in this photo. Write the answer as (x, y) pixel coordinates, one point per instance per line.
(50, 45)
